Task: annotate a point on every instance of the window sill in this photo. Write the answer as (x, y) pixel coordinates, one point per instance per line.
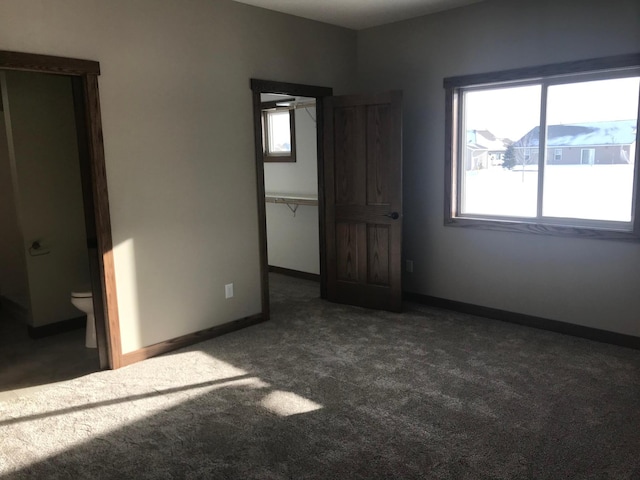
(538, 228)
(279, 158)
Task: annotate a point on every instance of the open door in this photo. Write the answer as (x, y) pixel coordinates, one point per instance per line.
(363, 199)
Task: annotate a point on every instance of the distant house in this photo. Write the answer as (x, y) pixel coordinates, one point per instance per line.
(484, 149)
(595, 143)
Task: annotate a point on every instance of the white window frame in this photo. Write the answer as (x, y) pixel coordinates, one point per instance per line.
(547, 75)
(592, 156)
(557, 154)
(269, 108)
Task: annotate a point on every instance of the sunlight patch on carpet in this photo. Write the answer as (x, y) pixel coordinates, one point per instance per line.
(285, 404)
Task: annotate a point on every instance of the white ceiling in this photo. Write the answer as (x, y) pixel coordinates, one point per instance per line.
(358, 14)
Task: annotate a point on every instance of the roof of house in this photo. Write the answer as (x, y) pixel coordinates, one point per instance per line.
(618, 132)
(484, 139)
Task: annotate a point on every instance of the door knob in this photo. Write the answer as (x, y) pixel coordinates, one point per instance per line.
(392, 215)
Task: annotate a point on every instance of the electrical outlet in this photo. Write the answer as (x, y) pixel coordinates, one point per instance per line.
(408, 266)
(228, 290)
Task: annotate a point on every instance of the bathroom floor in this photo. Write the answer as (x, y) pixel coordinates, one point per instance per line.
(27, 365)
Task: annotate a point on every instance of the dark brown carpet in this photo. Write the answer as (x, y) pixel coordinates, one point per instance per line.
(27, 363)
(336, 392)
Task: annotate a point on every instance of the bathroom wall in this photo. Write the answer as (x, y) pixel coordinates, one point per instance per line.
(14, 285)
(293, 240)
(50, 208)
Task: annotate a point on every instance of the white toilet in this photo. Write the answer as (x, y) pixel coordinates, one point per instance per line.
(83, 300)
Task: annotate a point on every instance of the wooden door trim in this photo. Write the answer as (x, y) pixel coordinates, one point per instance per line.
(84, 75)
(31, 62)
(295, 89)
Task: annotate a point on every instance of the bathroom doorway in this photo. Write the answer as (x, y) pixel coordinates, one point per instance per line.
(43, 249)
(80, 77)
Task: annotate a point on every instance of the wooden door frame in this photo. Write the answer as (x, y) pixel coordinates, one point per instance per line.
(84, 78)
(295, 89)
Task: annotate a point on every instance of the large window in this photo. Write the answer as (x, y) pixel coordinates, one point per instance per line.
(567, 137)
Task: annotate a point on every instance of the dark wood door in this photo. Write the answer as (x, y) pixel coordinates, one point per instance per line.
(363, 199)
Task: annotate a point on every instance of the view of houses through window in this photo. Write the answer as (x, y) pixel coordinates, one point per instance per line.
(586, 168)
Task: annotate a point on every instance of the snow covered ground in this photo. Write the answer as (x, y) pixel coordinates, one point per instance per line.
(596, 192)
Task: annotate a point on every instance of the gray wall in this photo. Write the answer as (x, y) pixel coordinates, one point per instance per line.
(586, 282)
(178, 135)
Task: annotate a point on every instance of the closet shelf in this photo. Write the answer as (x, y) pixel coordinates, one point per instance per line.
(291, 199)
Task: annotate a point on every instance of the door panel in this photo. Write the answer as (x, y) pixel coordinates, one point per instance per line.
(349, 184)
(363, 181)
(347, 265)
(378, 153)
(378, 254)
